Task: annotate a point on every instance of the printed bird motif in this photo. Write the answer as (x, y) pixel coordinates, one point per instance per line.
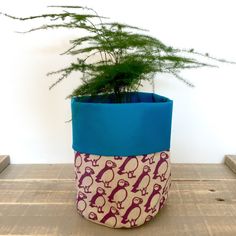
(129, 166)
(167, 185)
(106, 175)
(98, 200)
(161, 167)
(86, 179)
(92, 158)
(149, 158)
(148, 218)
(78, 162)
(119, 193)
(153, 199)
(92, 216)
(77, 172)
(80, 202)
(110, 218)
(142, 182)
(162, 202)
(133, 212)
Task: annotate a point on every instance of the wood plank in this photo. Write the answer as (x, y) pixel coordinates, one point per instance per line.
(218, 226)
(171, 209)
(202, 172)
(203, 192)
(73, 224)
(4, 162)
(80, 227)
(65, 171)
(230, 161)
(64, 192)
(38, 171)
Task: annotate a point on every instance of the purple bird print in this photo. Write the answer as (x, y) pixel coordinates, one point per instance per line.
(167, 185)
(129, 166)
(80, 202)
(133, 212)
(142, 182)
(119, 193)
(148, 218)
(162, 202)
(106, 175)
(153, 199)
(110, 218)
(92, 216)
(149, 158)
(92, 158)
(86, 179)
(98, 200)
(78, 162)
(77, 172)
(161, 167)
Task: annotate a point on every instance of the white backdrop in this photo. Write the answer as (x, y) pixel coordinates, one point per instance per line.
(32, 118)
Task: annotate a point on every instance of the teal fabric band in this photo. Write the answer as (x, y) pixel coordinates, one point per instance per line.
(141, 126)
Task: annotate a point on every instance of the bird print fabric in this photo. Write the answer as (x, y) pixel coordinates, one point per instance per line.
(121, 192)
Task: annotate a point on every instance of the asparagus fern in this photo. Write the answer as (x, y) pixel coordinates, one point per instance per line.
(114, 57)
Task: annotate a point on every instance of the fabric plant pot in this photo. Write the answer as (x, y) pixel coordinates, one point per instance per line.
(122, 158)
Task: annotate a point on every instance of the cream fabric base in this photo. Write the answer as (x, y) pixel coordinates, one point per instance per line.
(121, 192)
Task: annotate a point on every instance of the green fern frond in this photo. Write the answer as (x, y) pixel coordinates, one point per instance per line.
(123, 55)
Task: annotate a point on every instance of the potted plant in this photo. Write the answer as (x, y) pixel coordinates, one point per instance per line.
(121, 137)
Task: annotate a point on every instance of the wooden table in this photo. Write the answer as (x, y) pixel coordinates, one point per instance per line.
(39, 200)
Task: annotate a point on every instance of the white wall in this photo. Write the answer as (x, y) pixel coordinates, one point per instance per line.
(32, 118)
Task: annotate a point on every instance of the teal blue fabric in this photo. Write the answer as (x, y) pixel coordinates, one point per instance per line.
(140, 126)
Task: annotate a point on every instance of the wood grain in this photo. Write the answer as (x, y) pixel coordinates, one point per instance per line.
(65, 171)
